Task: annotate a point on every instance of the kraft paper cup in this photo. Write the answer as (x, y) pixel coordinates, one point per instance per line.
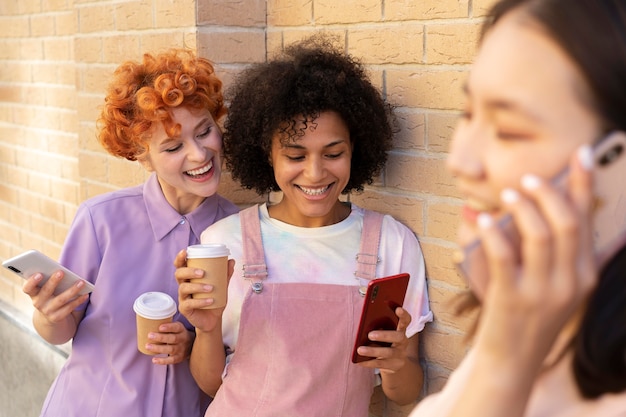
(213, 259)
(152, 309)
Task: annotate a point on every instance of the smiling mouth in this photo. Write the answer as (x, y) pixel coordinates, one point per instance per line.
(314, 191)
(200, 171)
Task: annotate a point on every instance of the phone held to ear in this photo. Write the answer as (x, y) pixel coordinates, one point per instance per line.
(609, 211)
(382, 297)
(32, 261)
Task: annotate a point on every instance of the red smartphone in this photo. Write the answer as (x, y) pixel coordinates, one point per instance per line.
(382, 297)
(609, 212)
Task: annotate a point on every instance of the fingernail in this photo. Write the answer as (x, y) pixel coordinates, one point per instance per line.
(531, 182)
(585, 156)
(509, 195)
(207, 288)
(484, 221)
(151, 336)
(198, 272)
(38, 277)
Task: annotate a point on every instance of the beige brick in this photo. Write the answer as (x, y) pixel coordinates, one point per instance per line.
(419, 174)
(62, 96)
(96, 18)
(444, 302)
(95, 79)
(52, 209)
(387, 45)
(29, 7)
(133, 15)
(93, 166)
(66, 23)
(441, 89)
(31, 49)
(439, 265)
(88, 49)
(440, 130)
(412, 126)
(443, 346)
(63, 144)
(123, 173)
(89, 106)
(482, 7)
(159, 42)
(426, 9)
(273, 42)
(241, 46)
(119, 48)
(45, 72)
(43, 226)
(349, 11)
(443, 220)
(451, 44)
(55, 5)
(289, 12)
(41, 25)
(406, 209)
(174, 13)
(232, 13)
(58, 49)
(64, 191)
(11, 93)
(14, 27)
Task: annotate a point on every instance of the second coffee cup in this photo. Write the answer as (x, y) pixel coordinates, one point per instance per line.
(212, 258)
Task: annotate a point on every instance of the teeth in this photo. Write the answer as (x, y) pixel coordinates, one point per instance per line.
(202, 170)
(478, 205)
(314, 191)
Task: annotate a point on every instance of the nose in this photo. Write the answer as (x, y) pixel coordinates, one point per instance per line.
(196, 152)
(464, 159)
(314, 169)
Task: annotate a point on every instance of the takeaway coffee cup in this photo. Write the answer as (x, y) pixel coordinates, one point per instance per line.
(213, 259)
(152, 310)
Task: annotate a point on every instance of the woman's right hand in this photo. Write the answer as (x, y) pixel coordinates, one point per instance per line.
(53, 308)
(203, 319)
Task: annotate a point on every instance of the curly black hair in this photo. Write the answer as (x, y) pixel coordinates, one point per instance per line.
(274, 97)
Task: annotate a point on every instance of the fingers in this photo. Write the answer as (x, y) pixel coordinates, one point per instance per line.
(181, 259)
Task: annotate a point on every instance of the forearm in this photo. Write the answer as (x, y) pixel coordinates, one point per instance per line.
(495, 389)
(207, 360)
(405, 385)
(55, 333)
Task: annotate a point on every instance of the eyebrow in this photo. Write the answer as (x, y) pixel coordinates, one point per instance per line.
(509, 106)
(330, 145)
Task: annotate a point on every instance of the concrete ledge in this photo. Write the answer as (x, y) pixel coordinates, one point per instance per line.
(28, 365)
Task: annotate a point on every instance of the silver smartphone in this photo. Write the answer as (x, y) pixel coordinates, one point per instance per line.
(609, 211)
(33, 261)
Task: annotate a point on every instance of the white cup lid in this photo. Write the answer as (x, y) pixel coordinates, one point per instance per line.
(207, 250)
(155, 305)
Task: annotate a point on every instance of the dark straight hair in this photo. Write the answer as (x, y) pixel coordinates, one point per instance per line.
(593, 34)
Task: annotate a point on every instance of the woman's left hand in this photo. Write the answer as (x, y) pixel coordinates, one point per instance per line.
(176, 343)
(393, 358)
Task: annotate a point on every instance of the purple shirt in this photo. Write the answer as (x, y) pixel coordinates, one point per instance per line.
(125, 243)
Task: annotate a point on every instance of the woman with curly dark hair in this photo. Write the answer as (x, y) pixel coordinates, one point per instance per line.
(308, 124)
(164, 113)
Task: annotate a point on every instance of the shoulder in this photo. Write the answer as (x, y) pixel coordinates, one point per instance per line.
(123, 196)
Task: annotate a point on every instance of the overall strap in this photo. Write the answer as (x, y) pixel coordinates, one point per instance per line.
(367, 259)
(254, 267)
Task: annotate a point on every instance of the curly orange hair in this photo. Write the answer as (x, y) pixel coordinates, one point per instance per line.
(141, 94)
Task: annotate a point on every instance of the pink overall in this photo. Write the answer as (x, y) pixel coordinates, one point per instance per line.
(295, 340)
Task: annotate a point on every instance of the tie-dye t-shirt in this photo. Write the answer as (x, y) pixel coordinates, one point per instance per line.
(324, 255)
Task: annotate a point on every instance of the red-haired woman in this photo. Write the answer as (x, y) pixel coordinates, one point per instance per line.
(163, 113)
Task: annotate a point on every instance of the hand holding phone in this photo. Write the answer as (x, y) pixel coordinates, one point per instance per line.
(30, 262)
(382, 297)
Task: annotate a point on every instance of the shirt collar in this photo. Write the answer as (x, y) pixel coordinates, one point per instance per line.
(163, 218)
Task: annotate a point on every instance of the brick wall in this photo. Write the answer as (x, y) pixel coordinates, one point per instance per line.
(56, 57)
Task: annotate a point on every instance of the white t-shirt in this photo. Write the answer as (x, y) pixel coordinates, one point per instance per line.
(324, 255)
